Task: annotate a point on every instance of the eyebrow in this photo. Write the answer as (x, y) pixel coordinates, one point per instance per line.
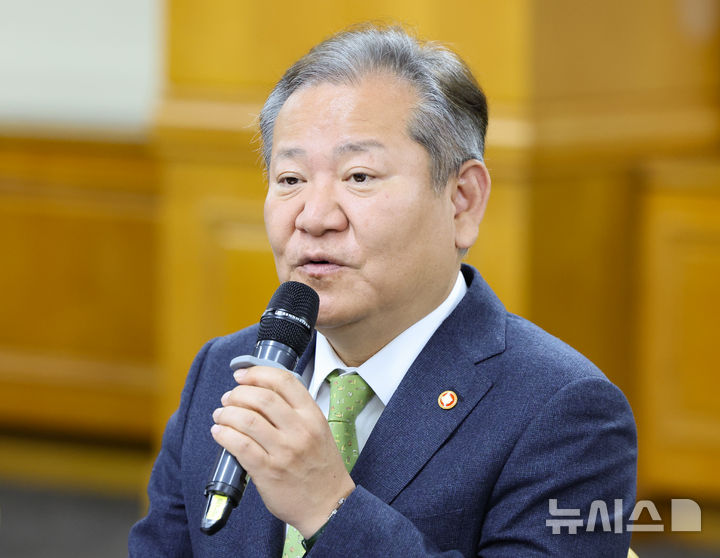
(342, 149)
(290, 153)
(357, 147)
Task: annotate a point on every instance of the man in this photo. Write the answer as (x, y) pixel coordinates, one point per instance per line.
(479, 424)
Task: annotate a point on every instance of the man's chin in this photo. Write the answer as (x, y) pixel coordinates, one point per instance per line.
(331, 321)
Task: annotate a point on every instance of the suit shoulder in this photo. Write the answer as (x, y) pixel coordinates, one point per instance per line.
(544, 356)
(229, 346)
(210, 371)
(538, 373)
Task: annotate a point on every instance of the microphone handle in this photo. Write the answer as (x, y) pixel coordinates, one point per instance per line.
(229, 479)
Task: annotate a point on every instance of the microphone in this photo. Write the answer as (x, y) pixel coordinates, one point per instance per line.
(286, 327)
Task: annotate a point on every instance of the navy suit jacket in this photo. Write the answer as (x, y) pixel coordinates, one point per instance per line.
(535, 421)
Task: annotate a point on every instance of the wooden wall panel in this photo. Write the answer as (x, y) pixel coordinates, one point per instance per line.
(678, 413)
(238, 50)
(502, 248)
(87, 284)
(626, 52)
(217, 271)
(581, 253)
(77, 339)
(612, 85)
(239, 263)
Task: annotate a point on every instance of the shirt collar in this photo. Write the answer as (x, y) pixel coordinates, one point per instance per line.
(385, 369)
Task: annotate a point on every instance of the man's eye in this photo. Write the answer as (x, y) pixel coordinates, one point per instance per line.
(289, 180)
(359, 177)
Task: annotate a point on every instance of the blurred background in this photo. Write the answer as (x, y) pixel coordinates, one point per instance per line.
(131, 224)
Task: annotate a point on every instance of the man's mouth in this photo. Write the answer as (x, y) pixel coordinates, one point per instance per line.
(319, 266)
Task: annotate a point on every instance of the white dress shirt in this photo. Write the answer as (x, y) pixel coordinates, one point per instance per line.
(384, 370)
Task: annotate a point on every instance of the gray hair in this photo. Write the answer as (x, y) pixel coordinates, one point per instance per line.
(450, 118)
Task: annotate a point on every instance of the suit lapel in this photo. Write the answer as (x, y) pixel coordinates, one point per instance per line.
(451, 360)
(307, 356)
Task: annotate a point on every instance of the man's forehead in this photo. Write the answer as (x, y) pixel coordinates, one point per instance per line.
(374, 95)
(359, 117)
(359, 146)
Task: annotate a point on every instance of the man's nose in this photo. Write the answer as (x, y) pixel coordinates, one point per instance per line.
(321, 211)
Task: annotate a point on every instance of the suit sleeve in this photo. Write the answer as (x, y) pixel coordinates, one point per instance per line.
(580, 447)
(581, 453)
(164, 531)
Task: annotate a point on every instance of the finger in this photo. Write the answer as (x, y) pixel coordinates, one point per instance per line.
(278, 425)
(280, 381)
(247, 451)
(260, 400)
(249, 423)
(257, 443)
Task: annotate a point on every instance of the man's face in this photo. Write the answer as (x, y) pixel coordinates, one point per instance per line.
(351, 212)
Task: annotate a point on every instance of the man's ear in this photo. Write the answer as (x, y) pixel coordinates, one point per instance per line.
(470, 193)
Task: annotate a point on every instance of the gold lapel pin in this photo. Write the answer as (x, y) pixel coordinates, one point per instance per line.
(447, 399)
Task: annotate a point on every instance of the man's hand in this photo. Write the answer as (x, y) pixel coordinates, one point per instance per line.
(277, 432)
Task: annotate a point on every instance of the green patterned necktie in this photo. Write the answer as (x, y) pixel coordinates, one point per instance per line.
(348, 396)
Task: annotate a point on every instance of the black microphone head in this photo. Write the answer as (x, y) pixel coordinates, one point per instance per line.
(290, 316)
